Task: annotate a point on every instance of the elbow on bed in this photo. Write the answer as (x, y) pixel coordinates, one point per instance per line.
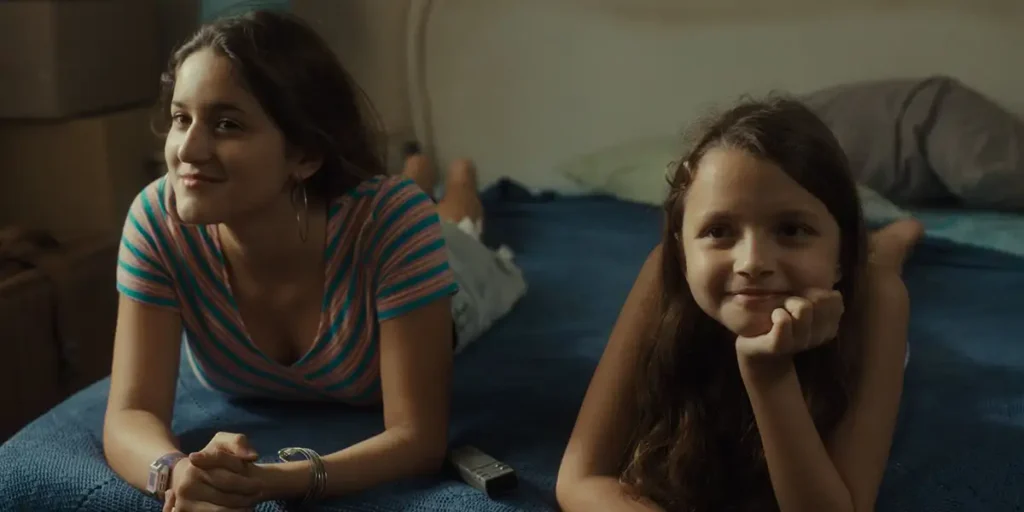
(564, 489)
(429, 454)
(567, 484)
(433, 457)
(110, 426)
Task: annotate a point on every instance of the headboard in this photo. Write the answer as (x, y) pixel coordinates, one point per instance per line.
(522, 86)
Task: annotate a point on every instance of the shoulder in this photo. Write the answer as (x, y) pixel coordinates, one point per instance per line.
(886, 317)
(886, 298)
(149, 214)
(382, 200)
(381, 191)
(652, 267)
(648, 286)
(398, 194)
(640, 313)
(399, 205)
(151, 200)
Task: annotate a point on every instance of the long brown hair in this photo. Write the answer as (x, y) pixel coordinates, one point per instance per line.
(301, 84)
(696, 446)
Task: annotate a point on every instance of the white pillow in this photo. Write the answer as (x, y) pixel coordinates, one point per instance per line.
(637, 171)
(634, 171)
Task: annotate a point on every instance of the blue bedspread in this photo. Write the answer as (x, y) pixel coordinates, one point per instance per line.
(958, 446)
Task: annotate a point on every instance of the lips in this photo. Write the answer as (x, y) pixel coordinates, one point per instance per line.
(758, 292)
(199, 177)
(757, 298)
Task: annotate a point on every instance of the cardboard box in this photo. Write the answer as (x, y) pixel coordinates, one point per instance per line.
(31, 381)
(63, 58)
(79, 175)
(57, 324)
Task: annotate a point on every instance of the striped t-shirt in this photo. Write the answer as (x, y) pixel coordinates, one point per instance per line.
(384, 255)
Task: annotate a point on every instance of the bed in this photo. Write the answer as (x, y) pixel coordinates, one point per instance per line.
(958, 445)
(545, 82)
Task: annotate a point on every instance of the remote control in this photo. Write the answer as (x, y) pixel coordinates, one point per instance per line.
(483, 471)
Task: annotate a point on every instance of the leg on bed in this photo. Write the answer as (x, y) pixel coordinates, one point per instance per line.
(461, 198)
(417, 168)
(890, 246)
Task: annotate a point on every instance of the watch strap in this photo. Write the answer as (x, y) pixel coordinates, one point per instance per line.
(160, 473)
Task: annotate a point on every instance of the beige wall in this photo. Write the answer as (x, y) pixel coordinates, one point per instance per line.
(369, 37)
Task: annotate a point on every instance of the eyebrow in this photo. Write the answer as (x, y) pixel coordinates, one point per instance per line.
(790, 213)
(219, 106)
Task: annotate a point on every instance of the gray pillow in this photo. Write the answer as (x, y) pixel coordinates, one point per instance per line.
(882, 126)
(927, 142)
(976, 149)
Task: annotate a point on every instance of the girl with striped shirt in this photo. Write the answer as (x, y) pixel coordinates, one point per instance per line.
(294, 267)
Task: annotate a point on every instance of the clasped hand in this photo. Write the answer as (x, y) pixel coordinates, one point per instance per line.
(802, 323)
(219, 478)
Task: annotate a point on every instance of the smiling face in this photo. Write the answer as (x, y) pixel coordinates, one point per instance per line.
(226, 158)
(751, 236)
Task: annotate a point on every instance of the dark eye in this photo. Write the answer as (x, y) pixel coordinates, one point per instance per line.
(179, 120)
(717, 231)
(225, 125)
(795, 229)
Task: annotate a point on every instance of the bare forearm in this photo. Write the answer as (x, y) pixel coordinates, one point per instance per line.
(391, 455)
(132, 440)
(601, 493)
(802, 474)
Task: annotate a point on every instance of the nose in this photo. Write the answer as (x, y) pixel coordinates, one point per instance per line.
(195, 146)
(754, 257)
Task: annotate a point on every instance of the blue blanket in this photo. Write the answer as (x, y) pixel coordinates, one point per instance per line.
(998, 231)
(517, 390)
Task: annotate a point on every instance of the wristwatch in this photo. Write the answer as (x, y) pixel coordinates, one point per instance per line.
(160, 473)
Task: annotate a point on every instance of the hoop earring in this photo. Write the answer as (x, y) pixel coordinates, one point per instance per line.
(301, 213)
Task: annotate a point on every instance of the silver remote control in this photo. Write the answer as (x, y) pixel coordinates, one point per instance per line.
(483, 471)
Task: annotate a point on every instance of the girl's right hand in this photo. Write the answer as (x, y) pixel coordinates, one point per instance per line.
(194, 489)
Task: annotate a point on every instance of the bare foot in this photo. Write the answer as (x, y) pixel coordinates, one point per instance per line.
(461, 198)
(890, 246)
(462, 173)
(418, 168)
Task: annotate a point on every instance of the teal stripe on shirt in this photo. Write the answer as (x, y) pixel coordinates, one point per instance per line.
(395, 312)
(359, 370)
(127, 244)
(144, 275)
(353, 337)
(149, 299)
(190, 299)
(337, 316)
(402, 184)
(385, 226)
(222, 316)
(436, 245)
(400, 241)
(414, 280)
(203, 357)
(204, 268)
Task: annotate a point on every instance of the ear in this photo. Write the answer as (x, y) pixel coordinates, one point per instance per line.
(308, 166)
(839, 274)
(305, 164)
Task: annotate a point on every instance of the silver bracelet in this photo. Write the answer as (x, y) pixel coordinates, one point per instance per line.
(318, 473)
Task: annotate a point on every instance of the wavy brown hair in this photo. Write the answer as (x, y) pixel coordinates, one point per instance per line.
(301, 84)
(696, 446)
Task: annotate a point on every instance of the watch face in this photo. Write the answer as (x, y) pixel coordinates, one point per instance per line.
(157, 482)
